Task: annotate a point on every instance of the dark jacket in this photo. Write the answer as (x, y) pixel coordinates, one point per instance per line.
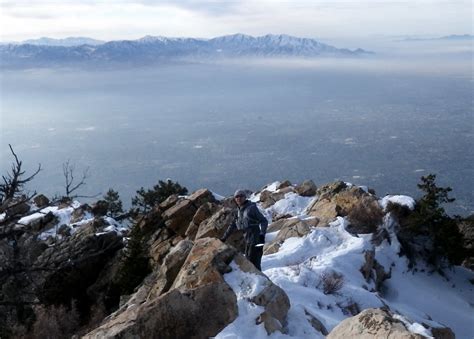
(250, 220)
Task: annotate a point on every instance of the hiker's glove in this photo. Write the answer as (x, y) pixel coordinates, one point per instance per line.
(262, 239)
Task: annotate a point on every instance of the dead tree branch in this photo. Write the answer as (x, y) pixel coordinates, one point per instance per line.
(68, 171)
(13, 183)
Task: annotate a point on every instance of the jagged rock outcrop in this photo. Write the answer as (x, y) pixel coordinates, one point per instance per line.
(339, 199)
(199, 303)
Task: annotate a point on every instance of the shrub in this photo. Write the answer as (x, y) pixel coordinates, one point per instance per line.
(331, 282)
(146, 199)
(429, 231)
(55, 322)
(135, 264)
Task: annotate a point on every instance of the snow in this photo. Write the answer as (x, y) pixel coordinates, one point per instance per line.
(418, 298)
(402, 200)
(2, 216)
(292, 204)
(64, 215)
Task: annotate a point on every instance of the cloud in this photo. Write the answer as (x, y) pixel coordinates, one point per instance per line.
(125, 19)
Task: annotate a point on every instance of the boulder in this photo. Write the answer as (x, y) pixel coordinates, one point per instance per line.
(268, 198)
(206, 263)
(338, 199)
(170, 201)
(324, 210)
(204, 212)
(217, 224)
(372, 323)
(289, 228)
(178, 217)
(329, 190)
(283, 184)
(307, 188)
(274, 300)
(41, 201)
(202, 196)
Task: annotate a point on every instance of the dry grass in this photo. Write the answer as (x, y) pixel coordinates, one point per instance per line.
(331, 282)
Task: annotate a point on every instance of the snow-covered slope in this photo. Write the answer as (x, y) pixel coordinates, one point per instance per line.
(421, 299)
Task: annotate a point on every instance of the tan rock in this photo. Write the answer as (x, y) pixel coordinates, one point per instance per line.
(268, 198)
(208, 260)
(216, 225)
(178, 217)
(291, 228)
(202, 196)
(204, 212)
(168, 271)
(199, 313)
(372, 324)
(325, 210)
(170, 201)
(307, 188)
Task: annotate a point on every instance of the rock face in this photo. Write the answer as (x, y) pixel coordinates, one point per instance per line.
(372, 323)
(56, 269)
(198, 305)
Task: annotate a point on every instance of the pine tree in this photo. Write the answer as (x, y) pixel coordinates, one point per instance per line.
(146, 199)
(114, 204)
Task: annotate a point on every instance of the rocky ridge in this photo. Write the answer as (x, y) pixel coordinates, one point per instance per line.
(200, 287)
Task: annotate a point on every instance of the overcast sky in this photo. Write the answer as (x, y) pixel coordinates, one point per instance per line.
(326, 19)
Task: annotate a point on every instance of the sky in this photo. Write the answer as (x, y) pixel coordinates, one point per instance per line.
(132, 19)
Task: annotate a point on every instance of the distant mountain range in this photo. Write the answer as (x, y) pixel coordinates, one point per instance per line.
(67, 42)
(150, 49)
(453, 37)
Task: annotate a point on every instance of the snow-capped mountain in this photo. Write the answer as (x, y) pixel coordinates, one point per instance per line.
(151, 49)
(67, 42)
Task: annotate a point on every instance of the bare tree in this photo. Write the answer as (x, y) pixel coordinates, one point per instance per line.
(14, 182)
(71, 185)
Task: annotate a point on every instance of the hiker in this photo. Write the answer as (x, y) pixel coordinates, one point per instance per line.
(253, 223)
